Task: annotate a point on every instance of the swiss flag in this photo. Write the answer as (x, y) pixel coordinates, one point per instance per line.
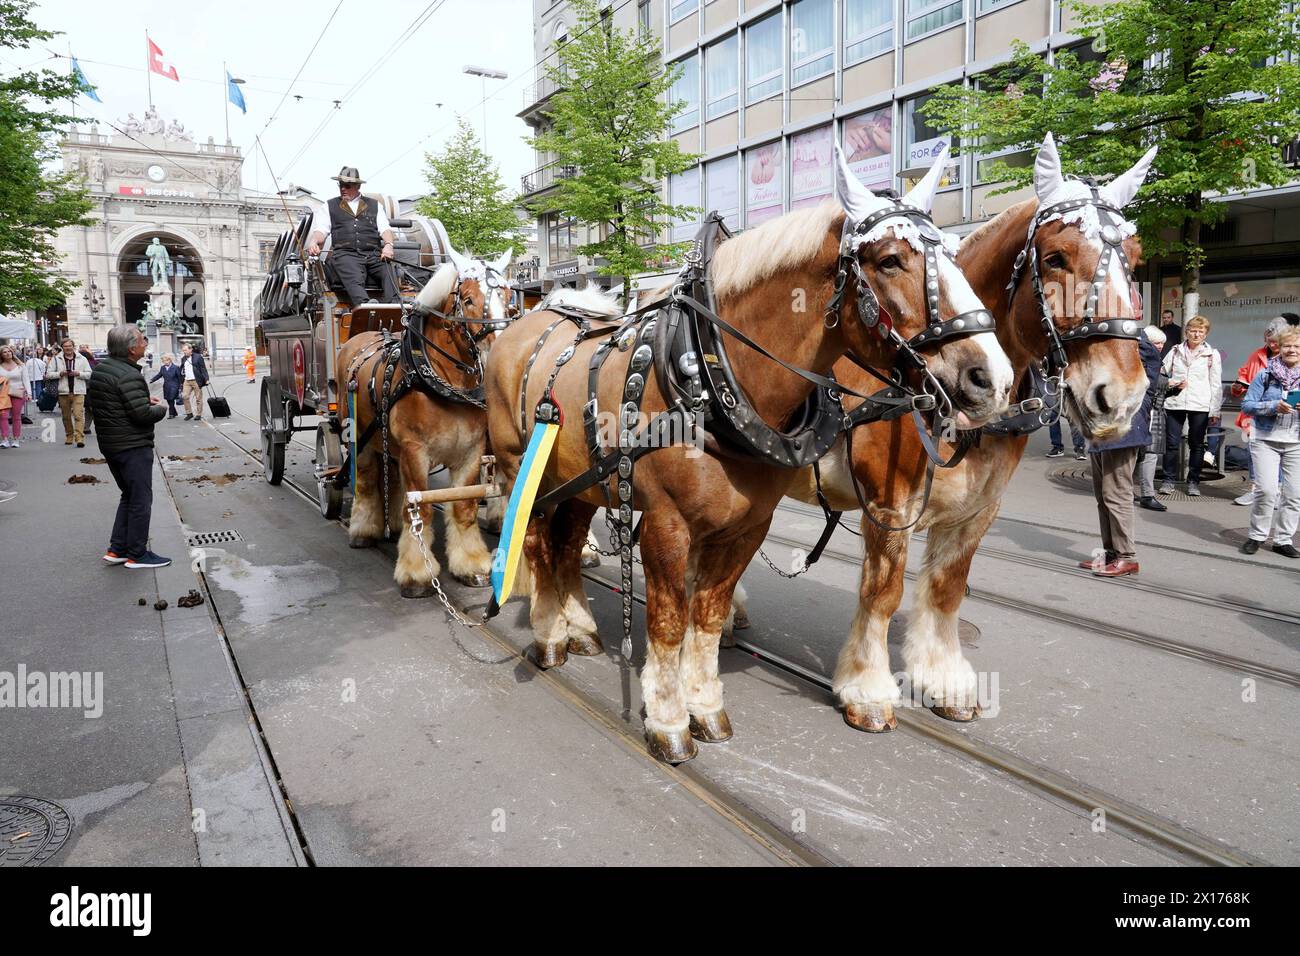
(158, 65)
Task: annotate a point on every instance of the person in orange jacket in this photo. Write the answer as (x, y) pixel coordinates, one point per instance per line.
(250, 365)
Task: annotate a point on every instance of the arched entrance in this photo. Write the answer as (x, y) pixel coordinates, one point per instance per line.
(184, 277)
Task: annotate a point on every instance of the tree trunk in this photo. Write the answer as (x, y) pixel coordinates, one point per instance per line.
(1192, 256)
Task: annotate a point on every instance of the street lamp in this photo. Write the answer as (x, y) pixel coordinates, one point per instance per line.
(229, 302)
(484, 74)
(93, 299)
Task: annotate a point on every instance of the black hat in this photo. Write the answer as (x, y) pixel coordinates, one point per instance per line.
(349, 174)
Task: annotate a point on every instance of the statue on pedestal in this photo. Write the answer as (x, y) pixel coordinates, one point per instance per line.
(159, 262)
(153, 123)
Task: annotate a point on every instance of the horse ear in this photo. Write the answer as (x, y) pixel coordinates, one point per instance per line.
(1048, 178)
(922, 194)
(503, 260)
(460, 262)
(858, 201)
(1124, 187)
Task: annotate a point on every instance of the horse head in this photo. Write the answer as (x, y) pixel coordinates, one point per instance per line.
(483, 289)
(1082, 250)
(911, 295)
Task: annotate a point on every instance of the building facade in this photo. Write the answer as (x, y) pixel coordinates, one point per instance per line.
(770, 85)
(155, 181)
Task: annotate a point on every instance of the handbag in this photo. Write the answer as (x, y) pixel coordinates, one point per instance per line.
(5, 403)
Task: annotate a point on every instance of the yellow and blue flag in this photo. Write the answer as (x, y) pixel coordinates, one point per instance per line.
(505, 562)
(80, 76)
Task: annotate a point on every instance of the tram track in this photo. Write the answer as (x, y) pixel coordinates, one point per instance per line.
(1167, 834)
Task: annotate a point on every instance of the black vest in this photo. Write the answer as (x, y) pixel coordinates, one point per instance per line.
(349, 233)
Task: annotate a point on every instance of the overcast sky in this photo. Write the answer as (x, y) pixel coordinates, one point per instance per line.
(384, 128)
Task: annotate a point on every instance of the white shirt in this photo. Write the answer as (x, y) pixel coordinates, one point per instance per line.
(188, 367)
(35, 369)
(320, 220)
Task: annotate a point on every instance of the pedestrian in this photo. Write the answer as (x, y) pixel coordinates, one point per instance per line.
(1150, 456)
(170, 373)
(36, 374)
(148, 359)
(1058, 447)
(194, 375)
(15, 390)
(1195, 395)
(1273, 400)
(250, 365)
(127, 415)
(89, 356)
(1245, 375)
(1112, 480)
(72, 372)
(1172, 330)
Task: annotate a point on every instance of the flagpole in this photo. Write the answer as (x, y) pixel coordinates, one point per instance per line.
(148, 79)
(73, 99)
(225, 88)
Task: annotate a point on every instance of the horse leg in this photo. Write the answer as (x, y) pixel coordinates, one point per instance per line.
(413, 575)
(467, 555)
(665, 544)
(545, 611)
(932, 650)
(366, 525)
(863, 680)
(570, 529)
(396, 503)
(738, 618)
(713, 584)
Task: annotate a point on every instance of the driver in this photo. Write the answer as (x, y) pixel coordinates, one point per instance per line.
(361, 241)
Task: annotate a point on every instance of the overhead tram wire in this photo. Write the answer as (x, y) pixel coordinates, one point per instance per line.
(289, 89)
(410, 30)
(499, 90)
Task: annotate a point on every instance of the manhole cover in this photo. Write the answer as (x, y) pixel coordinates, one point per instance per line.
(214, 537)
(1212, 489)
(31, 830)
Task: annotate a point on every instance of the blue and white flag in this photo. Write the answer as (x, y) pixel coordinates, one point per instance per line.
(79, 75)
(235, 93)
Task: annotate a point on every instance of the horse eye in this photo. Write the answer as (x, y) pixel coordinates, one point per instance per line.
(891, 263)
(1055, 261)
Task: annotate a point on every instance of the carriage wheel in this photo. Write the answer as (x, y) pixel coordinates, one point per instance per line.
(329, 456)
(272, 450)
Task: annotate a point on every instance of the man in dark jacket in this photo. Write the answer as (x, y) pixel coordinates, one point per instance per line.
(126, 415)
(194, 376)
(1112, 480)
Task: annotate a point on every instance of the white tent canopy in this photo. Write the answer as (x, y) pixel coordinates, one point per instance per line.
(16, 328)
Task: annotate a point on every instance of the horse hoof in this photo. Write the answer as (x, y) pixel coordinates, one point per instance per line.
(670, 746)
(727, 639)
(590, 560)
(741, 621)
(586, 645)
(547, 656)
(961, 715)
(872, 718)
(474, 580)
(711, 728)
(361, 543)
(417, 590)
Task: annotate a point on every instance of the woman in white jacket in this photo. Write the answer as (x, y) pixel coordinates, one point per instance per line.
(1195, 395)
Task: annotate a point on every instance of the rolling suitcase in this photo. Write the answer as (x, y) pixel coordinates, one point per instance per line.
(218, 405)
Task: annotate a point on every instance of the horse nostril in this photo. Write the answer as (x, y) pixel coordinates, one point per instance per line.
(1099, 400)
(978, 376)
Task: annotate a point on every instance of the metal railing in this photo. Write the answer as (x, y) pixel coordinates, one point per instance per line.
(544, 176)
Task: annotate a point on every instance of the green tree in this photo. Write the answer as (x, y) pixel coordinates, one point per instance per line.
(468, 198)
(610, 122)
(35, 200)
(1212, 82)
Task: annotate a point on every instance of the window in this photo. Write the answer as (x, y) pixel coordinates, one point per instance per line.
(812, 40)
(763, 58)
(868, 29)
(764, 184)
(686, 89)
(923, 142)
(926, 16)
(869, 147)
(1011, 84)
(991, 4)
(721, 76)
(684, 190)
(265, 249)
(679, 9)
(722, 189)
(643, 16)
(812, 168)
(562, 238)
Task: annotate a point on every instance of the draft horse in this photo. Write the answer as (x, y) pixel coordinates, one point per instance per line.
(1055, 271)
(418, 406)
(762, 399)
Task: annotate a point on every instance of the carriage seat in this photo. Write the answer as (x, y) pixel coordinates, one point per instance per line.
(332, 280)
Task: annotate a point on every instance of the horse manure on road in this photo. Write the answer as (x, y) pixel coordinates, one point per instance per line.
(83, 480)
(193, 599)
(160, 605)
(92, 461)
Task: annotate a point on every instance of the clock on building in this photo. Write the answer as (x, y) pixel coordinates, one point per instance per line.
(156, 173)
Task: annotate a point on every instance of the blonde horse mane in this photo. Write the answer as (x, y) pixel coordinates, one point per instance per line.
(438, 287)
(591, 299)
(757, 254)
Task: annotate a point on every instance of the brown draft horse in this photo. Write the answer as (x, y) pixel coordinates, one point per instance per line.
(704, 514)
(425, 430)
(1104, 383)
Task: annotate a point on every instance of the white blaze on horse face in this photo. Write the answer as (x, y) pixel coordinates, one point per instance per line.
(963, 299)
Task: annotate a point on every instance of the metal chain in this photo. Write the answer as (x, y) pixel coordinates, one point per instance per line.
(785, 574)
(613, 536)
(383, 427)
(417, 531)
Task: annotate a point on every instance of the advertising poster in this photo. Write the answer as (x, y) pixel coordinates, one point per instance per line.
(812, 167)
(869, 147)
(763, 196)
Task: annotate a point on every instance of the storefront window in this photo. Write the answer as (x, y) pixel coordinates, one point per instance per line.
(869, 146)
(812, 167)
(763, 59)
(868, 29)
(721, 79)
(812, 40)
(924, 143)
(722, 189)
(764, 184)
(684, 190)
